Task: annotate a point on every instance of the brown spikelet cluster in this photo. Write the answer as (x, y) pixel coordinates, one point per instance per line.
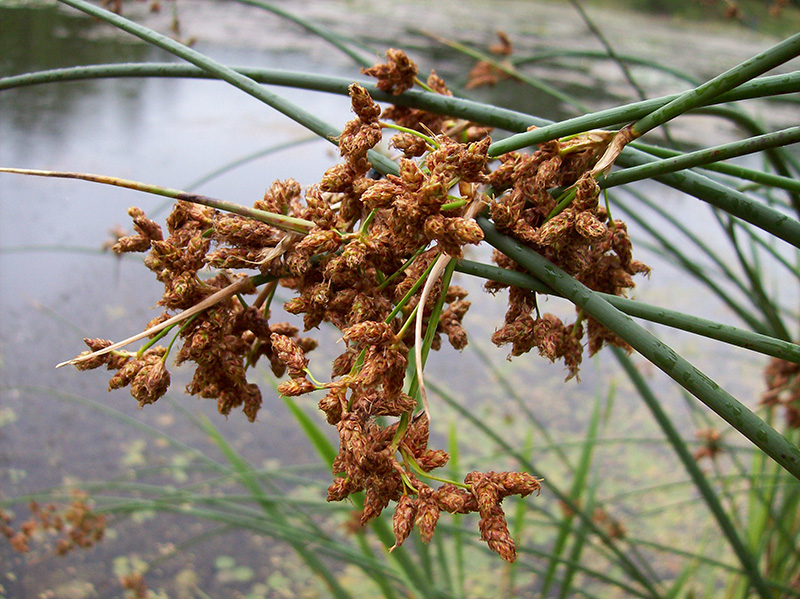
(356, 251)
(396, 75)
(710, 446)
(485, 73)
(613, 527)
(577, 235)
(783, 389)
(72, 526)
(134, 585)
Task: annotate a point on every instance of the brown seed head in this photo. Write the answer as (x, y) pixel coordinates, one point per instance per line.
(295, 387)
(494, 530)
(363, 105)
(403, 520)
(151, 382)
(371, 333)
(395, 76)
(427, 513)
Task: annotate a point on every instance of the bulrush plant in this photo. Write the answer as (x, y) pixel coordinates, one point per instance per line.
(363, 265)
(372, 248)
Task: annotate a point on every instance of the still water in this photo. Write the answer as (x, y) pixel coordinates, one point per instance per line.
(58, 286)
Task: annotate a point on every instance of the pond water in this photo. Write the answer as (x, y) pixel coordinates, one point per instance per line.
(57, 285)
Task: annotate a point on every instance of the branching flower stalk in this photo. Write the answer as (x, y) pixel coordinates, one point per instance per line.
(358, 254)
(368, 256)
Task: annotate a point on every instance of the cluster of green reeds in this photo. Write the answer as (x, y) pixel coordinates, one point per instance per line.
(754, 500)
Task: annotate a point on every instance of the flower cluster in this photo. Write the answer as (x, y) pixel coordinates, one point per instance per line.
(783, 388)
(359, 254)
(579, 236)
(74, 526)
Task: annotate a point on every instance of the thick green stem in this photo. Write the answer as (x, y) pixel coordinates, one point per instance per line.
(664, 357)
(757, 88)
(502, 118)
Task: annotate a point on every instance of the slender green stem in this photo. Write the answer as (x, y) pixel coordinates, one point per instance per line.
(689, 263)
(153, 340)
(400, 270)
(720, 84)
(764, 344)
(414, 288)
(307, 119)
(428, 140)
(632, 569)
(676, 221)
(289, 223)
(665, 358)
(273, 510)
(760, 297)
(409, 459)
(433, 322)
(757, 88)
(612, 54)
(706, 156)
(733, 170)
(225, 168)
(723, 197)
(626, 59)
(244, 83)
(502, 118)
(745, 557)
(329, 37)
(510, 70)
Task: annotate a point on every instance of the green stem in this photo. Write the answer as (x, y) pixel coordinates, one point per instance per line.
(417, 284)
(720, 84)
(510, 70)
(609, 48)
(502, 118)
(307, 119)
(288, 223)
(723, 197)
(702, 273)
(764, 344)
(624, 561)
(733, 170)
(665, 358)
(409, 459)
(757, 88)
(706, 156)
(433, 322)
(329, 37)
(700, 481)
(428, 140)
